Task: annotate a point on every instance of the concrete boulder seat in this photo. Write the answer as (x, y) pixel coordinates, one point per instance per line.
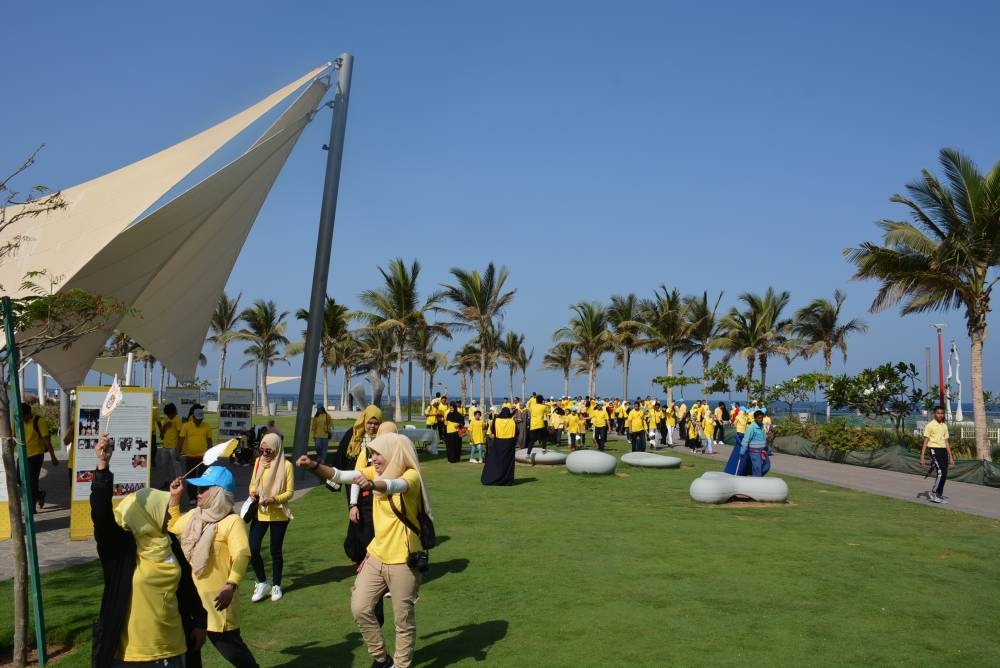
(651, 460)
(719, 487)
(592, 462)
(542, 456)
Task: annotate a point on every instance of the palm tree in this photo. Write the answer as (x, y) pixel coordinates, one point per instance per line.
(944, 259)
(477, 303)
(396, 308)
(422, 344)
(704, 329)
(626, 328)
(666, 326)
(335, 332)
(523, 361)
(265, 331)
(739, 338)
(588, 333)
(819, 326)
(560, 358)
(375, 358)
(464, 363)
(223, 328)
(772, 329)
(511, 351)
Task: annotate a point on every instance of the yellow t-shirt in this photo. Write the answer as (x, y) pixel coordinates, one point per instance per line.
(708, 424)
(393, 541)
(682, 411)
(196, 438)
(153, 630)
(742, 420)
(635, 421)
(476, 431)
(171, 432)
(671, 416)
(936, 433)
(599, 417)
(557, 421)
(227, 562)
(320, 426)
(154, 422)
(504, 427)
(432, 415)
(275, 512)
(654, 419)
(538, 412)
(450, 427)
(36, 441)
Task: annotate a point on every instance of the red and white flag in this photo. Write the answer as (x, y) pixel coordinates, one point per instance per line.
(113, 399)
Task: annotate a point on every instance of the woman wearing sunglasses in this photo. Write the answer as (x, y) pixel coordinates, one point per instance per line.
(272, 486)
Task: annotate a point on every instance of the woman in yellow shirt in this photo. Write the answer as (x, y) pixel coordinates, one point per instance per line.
(394, 477)
(272, 486)
(320, 428)
(214, 541)
(150, 609)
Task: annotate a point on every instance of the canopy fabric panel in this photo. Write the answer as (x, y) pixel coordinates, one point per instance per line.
(274, 380)
(64, 240)
(110, 366)
(171, 265)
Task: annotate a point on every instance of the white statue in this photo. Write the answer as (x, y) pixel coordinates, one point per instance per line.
(958, 380)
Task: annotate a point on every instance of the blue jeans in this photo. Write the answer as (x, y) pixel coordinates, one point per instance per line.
(322, 445)
(757, 459)
(638, 441)
(476, 451)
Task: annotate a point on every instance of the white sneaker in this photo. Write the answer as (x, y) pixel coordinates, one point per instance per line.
(260, 590)
(276, 593)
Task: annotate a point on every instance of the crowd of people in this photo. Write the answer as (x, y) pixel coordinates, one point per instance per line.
(196, 561)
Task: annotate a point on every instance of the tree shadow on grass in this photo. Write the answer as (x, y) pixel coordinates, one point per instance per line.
(316, 655)
(471, 641)
(325, 576)
(442, 568)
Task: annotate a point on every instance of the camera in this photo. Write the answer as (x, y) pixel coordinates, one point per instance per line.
(419, 560)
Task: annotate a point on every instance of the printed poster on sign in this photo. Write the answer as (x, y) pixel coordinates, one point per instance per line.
(235, 411)
(183, 398)
(4, 513)
(129, 437)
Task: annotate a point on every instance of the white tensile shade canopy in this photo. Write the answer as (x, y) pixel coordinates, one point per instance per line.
(171, 265)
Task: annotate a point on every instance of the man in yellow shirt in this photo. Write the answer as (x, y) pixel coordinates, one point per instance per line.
(194, 438)
(599, 419)
(167, 453)
(537, 412)
(38, 441)
(635, 425)
(937, 438)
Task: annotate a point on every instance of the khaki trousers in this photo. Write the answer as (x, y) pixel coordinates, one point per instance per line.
(374, 579)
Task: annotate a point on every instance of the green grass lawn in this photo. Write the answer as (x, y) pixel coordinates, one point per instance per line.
(561, 570)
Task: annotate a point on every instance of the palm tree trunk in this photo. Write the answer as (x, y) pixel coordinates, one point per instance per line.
(463, 388)
(423, 389)
(492, 394)
(566, 384)
(398, 415)
(704, 375)
(670, 374)
(626, 361)
(482, 371)
(524, 381)
(978, 402)
(763, 371)
(163, 382)
(510, 378)
(827, 363)
(265, 406)
(345, 392)
(222, 371)
(750, 360)
(326, 387)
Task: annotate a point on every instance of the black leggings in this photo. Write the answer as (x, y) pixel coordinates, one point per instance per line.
(939, 457)
(537, 436)
(257, 531)
(232, 648)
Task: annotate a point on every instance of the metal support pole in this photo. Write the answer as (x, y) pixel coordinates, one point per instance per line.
(27, 502)
(64, 420)
(40, 375)
(324, 249)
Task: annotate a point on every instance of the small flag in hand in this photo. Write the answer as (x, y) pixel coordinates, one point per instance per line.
(113, 398)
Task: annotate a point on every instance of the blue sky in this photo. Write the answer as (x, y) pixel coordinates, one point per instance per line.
(594, 149)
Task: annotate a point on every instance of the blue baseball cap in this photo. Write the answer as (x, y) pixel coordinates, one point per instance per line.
(215, 476)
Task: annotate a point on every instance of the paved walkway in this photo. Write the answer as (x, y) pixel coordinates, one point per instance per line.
(55, 550)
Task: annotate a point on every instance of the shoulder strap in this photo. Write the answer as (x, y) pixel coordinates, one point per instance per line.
(402, 515)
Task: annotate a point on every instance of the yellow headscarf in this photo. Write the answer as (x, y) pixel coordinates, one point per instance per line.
(358, 431)
(141, 514)
(399, 455)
